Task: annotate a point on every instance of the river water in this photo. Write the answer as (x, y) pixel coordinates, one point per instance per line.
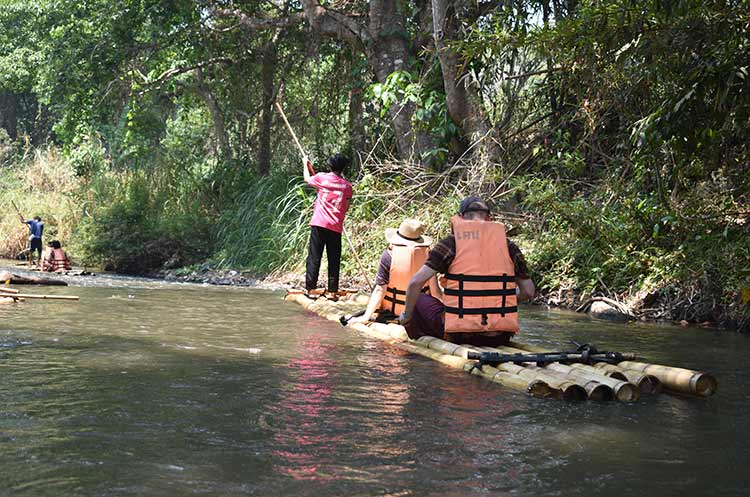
(146, 388)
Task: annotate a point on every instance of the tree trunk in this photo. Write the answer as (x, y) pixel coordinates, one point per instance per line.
(268, 70)
(216, 113)
(385, 42)
(9, 113)
(356, 125)
(463, 100)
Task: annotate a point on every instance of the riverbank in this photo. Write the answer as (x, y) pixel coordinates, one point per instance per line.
(643, 306)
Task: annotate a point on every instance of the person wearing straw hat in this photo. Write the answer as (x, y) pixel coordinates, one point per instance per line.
(327, 223)
(484, 275)
(407, 251)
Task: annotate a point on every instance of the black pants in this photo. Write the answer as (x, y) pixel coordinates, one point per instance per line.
(35, 245)
(320, 238)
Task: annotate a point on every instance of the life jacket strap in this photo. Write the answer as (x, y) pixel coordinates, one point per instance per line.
(480, 278)
(392, 294)
(482, 310)
(461, 292)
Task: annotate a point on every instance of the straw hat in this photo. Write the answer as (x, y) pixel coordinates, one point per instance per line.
(409, 232)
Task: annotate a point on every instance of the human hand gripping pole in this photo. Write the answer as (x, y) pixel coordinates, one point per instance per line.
(308, 164)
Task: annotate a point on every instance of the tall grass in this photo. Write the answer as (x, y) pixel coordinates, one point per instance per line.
(41, 183)
(268, 230)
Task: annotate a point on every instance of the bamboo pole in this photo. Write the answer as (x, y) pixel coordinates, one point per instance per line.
(45, 297)
(8, 290)
(646, 383)
(677, 379)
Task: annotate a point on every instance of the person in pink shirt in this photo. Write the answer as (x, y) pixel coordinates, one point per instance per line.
(327, 223)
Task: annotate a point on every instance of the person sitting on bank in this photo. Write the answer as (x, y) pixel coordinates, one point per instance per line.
(406, 253)
(327, 223)
(57, 259)
(484, 276)
(36, 228)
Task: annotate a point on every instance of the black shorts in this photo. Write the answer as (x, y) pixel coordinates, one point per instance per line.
(36, 244)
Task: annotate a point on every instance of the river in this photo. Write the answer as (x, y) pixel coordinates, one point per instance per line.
(147, 388)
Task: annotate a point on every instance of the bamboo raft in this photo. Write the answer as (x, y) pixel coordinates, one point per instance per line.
(626, 382)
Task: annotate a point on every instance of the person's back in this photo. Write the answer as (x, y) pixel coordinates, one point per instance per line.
(327, 223)
(36, 229)
(486, 275)
(331, 202)
(57, 260)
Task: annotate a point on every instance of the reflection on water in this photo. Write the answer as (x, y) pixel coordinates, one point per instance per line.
(146, 388)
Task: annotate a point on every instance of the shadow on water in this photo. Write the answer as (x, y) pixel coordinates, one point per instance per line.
(169, 390)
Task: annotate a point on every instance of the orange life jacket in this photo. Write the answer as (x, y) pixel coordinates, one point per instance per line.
(480, 286)
(58, 259)
(405, 262)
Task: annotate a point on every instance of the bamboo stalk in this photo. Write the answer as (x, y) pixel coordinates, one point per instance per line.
(646, 383)
(46, 297)
(9, 290)
(677, 379)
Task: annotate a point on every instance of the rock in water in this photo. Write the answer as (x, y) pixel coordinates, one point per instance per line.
(602, 310)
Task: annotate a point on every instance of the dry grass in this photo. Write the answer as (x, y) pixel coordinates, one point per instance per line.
(40, 183)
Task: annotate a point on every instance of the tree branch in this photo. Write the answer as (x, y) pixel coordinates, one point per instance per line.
(256, 24)
(170, 73)
(328, 22)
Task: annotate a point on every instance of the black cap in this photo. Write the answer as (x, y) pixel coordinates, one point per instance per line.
(471, 204)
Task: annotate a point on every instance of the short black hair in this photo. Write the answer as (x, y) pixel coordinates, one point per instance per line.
(338, 163)
(473, 203)
(55, 244)
(37, 218)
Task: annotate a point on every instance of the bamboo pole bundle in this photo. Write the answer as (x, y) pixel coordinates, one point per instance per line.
(646, 383)
(623, 391)
(670, 378)
(534, 386)
(395, 335)
(568, 389)
(591, 389)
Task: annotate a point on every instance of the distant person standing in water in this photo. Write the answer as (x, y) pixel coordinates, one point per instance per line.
(36, 228)
(327, 223)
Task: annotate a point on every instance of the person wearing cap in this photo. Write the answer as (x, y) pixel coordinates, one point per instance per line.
(327, 223)
(407, 251)
(484, 275)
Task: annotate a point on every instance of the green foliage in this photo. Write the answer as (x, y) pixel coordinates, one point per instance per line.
(132, 229)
